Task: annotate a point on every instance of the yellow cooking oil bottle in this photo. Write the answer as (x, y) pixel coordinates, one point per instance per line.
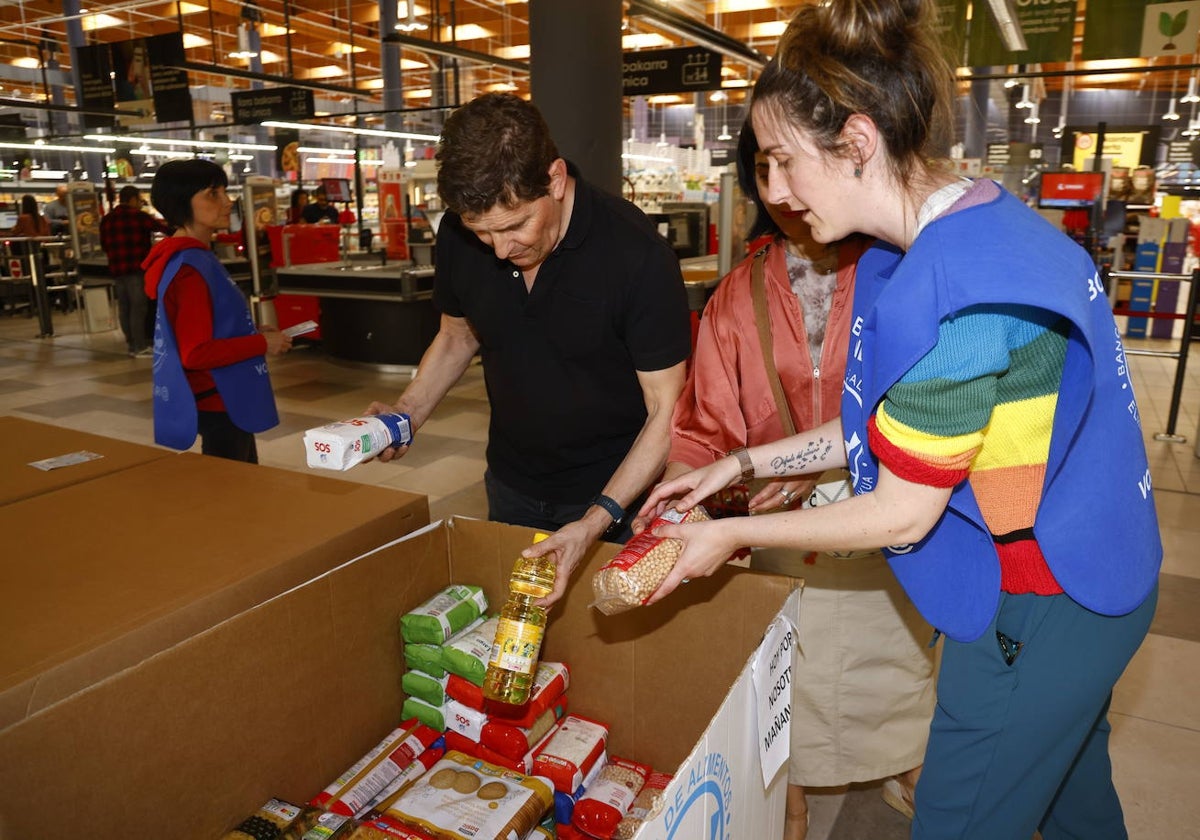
(514, 656)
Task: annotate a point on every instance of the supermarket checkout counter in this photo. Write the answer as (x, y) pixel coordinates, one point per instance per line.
(379, 314)
(97, 268)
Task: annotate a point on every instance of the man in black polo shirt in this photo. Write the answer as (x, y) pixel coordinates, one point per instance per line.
(577, 308)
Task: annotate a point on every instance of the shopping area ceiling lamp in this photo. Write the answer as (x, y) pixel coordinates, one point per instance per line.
(1193, 128)
(51, 147)
(410, 24)
(1172, 114)
(1191, 96)
(1033, 118)
(245, 44)
(346, 129)
(1026, 102)
(172, 141)
(724, 135)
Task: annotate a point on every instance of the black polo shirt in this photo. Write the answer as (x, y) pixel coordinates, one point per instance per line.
(561, 361)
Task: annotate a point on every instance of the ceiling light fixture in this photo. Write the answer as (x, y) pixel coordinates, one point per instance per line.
(1033, 118)
(171, 141)
(245, 45)
(724, 135)
(1172, 113)
(411, 24)
(48, 147)
(345, 129)
(1191, 95)
(1025, 102)
(1011, 34)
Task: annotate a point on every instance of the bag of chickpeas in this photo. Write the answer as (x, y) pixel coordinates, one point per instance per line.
(630, 578)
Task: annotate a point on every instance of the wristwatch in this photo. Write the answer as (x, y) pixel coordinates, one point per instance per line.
(610, 506)
(743, 459)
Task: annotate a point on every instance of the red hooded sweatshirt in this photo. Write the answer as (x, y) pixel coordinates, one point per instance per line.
(188, 309)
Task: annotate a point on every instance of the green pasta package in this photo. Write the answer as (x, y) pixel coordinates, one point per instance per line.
(443, 615)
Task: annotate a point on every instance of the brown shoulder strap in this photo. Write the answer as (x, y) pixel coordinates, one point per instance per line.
(762, 317)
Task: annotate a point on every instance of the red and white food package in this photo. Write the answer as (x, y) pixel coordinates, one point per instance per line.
(523, 764)
(638, 569)
(572, 751)
(514, 741)
(398, 785)
(370, 774)
(646, 806)
(550, 681)
(607, 800)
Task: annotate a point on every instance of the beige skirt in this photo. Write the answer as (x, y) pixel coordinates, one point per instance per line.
(863, 673)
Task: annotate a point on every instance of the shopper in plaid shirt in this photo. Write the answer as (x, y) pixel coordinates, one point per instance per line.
(126, 234)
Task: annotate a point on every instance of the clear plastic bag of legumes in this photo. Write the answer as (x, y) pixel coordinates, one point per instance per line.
(639, 568)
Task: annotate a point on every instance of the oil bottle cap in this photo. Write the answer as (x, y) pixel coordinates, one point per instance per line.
(539, 536)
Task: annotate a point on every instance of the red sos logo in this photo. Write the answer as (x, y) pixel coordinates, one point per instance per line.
(357, 422)
(321, 447)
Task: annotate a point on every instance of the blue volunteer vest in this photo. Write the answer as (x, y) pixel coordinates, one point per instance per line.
(1096, 523)
(244, 386)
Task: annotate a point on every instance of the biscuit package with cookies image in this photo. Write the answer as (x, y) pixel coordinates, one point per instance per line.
(463, 798)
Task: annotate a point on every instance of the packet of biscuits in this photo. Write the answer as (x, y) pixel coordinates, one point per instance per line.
(464, 798)
(630, 578)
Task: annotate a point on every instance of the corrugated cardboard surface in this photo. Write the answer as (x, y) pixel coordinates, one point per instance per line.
(98, 576)
(280, 699)
(24, 441)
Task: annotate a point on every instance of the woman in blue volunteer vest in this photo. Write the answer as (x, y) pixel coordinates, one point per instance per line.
(210, 370)
(988, 422)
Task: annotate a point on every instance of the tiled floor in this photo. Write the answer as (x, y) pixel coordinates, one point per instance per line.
(86, 381)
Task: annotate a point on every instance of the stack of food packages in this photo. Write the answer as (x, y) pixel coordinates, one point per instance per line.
(461, 767)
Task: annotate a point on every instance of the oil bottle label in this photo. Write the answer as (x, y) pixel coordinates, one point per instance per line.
(516, 646)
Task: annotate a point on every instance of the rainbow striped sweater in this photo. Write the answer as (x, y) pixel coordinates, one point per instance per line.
(980, 406)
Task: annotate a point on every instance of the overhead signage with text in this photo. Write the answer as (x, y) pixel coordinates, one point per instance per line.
(1048, 27)
(1131, 28)
(281, 103)
(670, 71)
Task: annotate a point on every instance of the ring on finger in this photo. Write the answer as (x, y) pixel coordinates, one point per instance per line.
(787, 496)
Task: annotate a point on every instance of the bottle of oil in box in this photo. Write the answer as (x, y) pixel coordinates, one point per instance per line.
(514, 656)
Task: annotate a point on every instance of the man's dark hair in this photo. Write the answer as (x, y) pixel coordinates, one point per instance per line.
(746, 149)
(495, 150)
(176, 181)
(129, 193)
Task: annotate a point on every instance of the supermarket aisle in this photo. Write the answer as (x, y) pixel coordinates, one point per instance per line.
(86, 381)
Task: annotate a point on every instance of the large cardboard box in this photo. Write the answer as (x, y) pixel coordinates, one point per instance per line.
(100, 575)
(279, 700)
(25, 441)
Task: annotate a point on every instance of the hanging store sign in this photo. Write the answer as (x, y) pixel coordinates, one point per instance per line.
(951, 28)
(670, 71)
(1130, 28)
(281, 103)
(1129, 147)
(1048, 27)
(168, 81)
(1014, 154)
(93, 69)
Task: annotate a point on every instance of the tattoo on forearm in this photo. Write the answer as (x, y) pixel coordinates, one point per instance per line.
(803, 460)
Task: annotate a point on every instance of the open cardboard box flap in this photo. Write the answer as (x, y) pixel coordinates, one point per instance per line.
(112, 570)
(277, 701)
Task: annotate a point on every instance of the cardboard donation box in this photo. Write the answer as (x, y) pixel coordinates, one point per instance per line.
(101, 575)
(280, 699)
(23, 442)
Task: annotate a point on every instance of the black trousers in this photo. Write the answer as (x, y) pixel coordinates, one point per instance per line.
(220, 438)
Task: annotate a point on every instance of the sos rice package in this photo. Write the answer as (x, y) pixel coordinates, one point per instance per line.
(571, 753)
(633, 575)
(606, 802)
(514, 741)
(550, 681)
(462, 798)
(443, 615)
(341, 445)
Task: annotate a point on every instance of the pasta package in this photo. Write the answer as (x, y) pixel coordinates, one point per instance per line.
(425, 687)
(383, 800)
(355, 788)
(442, 616)
(604, 804)
(432, 716)
(462, 798)
(630, 578)
(571, 753)
(646, 806)
(514, 741)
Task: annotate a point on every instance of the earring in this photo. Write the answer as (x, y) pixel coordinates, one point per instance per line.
(858, 172)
